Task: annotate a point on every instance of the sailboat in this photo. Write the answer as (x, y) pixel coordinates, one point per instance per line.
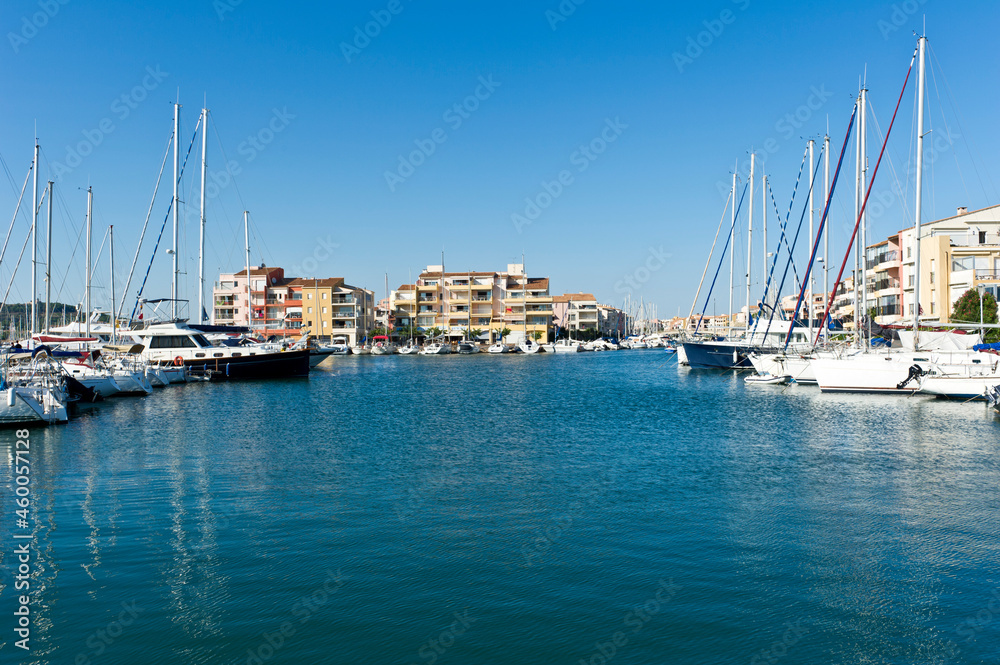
(526, 345)
(897, 370)
(381, 344)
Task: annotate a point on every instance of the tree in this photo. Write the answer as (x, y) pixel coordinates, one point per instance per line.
(504, 332)
(966, 308)
(536, 334)
(476, 332)
(435, 332)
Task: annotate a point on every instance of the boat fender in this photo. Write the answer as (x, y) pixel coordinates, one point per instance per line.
(179, 361)
(11, 397)
(915, 372)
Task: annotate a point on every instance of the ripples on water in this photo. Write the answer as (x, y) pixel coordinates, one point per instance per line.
(513, 510)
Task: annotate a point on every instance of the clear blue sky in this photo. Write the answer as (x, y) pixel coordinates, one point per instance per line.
(330, 123)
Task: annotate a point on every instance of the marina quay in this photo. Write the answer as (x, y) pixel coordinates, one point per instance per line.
(570, 332)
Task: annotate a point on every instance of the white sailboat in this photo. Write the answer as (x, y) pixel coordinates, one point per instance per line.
(526, 345)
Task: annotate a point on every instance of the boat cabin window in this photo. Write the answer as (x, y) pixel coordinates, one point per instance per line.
(172, 342)
(201, 341)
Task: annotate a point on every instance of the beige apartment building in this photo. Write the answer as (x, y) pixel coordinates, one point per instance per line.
(457, 302)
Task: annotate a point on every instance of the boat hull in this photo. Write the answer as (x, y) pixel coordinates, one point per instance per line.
(31, 405)
(286, 364)
(716, 355)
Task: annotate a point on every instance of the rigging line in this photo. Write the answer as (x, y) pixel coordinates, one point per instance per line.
(721, 257)
(947, 131)
(795, 241)
(709, 260)
(791, 202)
(14, 273)
(958, 120)
(861, 213)
(218, 139)
(892, 168)
(14, 218)
(76, 245)
(10, 176)
(152, 258)
(782, 237)
(145, 224)
(232, 228)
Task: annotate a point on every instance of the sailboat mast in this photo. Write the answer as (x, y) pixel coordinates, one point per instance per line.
(750, 239)
(863, 244)
(826, 236)
(763, 221)
(48, 263)
(201, 238)
(857, 214)
(111, 260)
(177, 168)
(34, 242)
(809, 290)
(524, 300)
(246, 236)
(922, 42)
(732, 254)
(90, 210)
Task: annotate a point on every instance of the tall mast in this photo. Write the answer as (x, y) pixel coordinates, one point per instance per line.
(201, 238)
(246, 235)
(111, 260)
(524, 300)
(863, 245)
(809, 288)
(48, 263)
(858, 306)
(922, 42)
(826, 236)
(750, 239)
(34, 242)
(176, 205)
(732, 253)
(90, 215)
(763, 221)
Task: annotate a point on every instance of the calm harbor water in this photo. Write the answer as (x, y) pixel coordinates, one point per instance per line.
(603, 508)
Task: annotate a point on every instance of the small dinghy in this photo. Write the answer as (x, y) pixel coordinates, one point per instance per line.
(767, 379)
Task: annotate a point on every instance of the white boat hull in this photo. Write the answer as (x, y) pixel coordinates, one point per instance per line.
(797, 366)
(31, 405)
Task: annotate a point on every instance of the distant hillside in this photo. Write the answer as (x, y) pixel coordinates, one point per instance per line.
(18, 314)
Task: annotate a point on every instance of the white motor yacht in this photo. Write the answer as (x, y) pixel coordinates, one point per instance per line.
(566, 346)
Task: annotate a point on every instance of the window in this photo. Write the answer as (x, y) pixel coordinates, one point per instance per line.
(309, 310)
(324, 310)
(982, 237)
(324, 324)
(309, 296)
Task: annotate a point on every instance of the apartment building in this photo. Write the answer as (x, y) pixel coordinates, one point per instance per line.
(573, 312)
(957, 253)
(457, 302)
(292, 306)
